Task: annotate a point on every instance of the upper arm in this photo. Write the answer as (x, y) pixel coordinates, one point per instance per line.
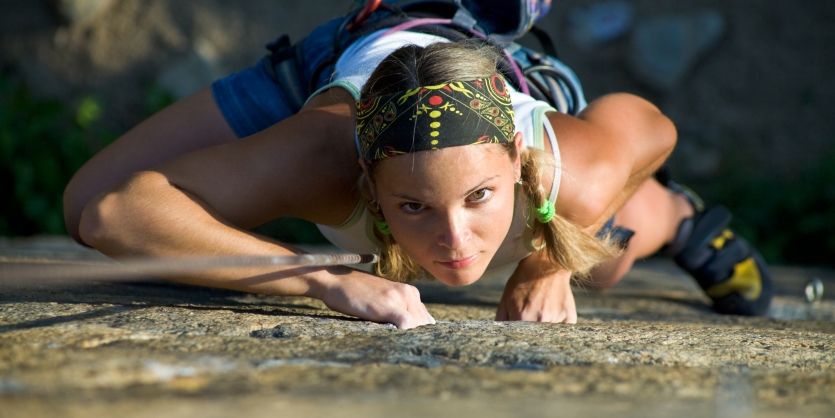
(304, 166)
(192, 123)
(615, 138)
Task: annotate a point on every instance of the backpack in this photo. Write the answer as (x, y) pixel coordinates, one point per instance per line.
(498, 22)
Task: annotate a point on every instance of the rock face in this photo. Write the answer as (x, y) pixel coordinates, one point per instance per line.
(81, 12)
(199, 68)
(648, 347)
(764, 95)
(664, 49)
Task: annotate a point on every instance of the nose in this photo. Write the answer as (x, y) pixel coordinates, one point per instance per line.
(454, 231)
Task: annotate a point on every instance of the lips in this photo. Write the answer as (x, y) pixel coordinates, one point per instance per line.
(459, 263)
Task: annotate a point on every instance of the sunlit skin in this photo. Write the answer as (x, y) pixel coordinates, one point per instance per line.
(207, 187)
(449, 209)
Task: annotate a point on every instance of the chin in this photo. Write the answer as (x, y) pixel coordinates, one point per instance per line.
(460, 277)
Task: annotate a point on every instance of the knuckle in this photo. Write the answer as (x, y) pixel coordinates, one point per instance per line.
(393, 293)
(410, 291)
(530, 313)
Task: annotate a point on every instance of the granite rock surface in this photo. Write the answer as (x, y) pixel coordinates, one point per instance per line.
(651, 346)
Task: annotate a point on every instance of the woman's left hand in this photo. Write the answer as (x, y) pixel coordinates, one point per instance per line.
(538, 293)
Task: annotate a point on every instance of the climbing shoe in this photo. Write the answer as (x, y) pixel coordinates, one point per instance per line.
(731, 272)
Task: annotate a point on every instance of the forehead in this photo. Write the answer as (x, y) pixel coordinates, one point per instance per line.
(453, 167)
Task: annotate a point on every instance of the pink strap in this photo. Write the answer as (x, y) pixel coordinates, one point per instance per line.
(417, 22)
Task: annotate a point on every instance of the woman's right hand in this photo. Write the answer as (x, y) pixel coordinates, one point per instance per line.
(376, 299)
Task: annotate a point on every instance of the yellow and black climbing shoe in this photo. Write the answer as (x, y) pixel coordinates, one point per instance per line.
(731, 272)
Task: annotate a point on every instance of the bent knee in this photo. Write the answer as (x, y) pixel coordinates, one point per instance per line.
(609, 273)
(601, 283)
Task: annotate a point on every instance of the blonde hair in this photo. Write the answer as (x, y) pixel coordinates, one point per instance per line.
(411, 66)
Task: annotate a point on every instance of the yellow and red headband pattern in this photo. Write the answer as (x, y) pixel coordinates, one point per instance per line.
(434, 117)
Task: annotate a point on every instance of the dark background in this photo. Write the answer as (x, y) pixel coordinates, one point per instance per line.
(754, 113)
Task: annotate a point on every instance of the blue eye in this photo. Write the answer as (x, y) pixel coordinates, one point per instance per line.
(412, 207)
(480, 195)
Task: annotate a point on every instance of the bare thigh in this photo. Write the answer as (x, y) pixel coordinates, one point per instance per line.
(654, 213)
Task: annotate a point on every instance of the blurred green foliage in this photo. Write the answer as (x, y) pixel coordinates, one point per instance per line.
(42, 143)
(156, 99)
(89, 111)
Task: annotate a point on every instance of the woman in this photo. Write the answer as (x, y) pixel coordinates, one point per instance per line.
(480, 196)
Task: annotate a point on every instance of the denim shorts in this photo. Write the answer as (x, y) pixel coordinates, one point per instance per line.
(251, 101)
(606, 228)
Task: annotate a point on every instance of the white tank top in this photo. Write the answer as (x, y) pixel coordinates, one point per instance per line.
(353, 68)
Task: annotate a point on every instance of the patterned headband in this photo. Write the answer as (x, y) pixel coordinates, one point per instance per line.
(433, 117)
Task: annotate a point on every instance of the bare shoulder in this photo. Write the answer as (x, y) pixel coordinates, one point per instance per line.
(616, 136)
(304, 166)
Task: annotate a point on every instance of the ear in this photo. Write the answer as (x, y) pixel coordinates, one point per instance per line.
(517, 163)
(371, 186)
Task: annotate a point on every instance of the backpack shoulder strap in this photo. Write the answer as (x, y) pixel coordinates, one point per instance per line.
(541, 76)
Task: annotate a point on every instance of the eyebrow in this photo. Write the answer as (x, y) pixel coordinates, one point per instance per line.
(469, 192)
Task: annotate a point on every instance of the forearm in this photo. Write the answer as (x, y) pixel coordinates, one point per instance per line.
(538, 291)
(147, 216)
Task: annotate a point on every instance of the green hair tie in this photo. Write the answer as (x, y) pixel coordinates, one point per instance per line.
(382, 226)
(545, 213)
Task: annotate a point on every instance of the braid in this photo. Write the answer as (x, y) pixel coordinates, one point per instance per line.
(568, 246)
(413, 66)
(394, 263)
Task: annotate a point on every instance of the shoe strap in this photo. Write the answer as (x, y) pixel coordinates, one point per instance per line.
(695, 201)
(685, 228)
(719, 219)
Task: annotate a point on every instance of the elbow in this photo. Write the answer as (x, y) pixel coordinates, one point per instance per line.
(591, 213)
(97, 219)
(77, 195)
(110, 219)
(667, 134)
(73, 206)
(590, 207)
(658, 136)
